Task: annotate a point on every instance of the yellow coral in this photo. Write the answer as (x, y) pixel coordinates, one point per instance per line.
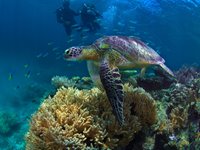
(144, 104)
(78, 119)
(178, 118)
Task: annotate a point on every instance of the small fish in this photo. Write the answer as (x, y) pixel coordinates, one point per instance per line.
(137, 33)
(86, 30)
(131, 27)
(98, 20)
(69, 41)
(121, 33)
(133, 22)
(50, 43)
(45, 55)
(79, 28)
(98, 34)
(132, 36)
(39, 55)
(115, 30)
(26, 66)
(28, 74)
(145, 33)
(58, 53)
(38, 73)
(17, 87)
(121, 24)
(10, 76)
(84, 37)
(69, 65)
(55, 48)
(106, 28)
(58, 57)
(75, 25)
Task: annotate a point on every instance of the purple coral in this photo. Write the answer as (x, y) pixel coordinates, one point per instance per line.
(186, 74)
(180, 94)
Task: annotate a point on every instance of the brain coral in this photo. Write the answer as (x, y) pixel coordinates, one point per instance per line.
(82, 119)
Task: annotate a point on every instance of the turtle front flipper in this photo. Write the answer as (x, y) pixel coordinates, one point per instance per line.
(111, 80)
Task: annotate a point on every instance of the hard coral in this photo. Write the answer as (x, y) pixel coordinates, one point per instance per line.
(186, 74)
(59, 81)
(81, 119)
(179, 94)
(141, 101)
(195, 85)
(80, 83)
(178, 118)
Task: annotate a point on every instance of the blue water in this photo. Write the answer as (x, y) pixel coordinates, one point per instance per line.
(32, 42)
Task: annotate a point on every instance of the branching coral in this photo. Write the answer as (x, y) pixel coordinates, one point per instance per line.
(59, 81)
(178, 118)
(195, 85)
(186, 74)
(70, 126)
(180, 94)
(143, 105)
(80, 83)
(80, 119)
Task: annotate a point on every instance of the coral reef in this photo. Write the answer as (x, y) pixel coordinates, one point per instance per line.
(80, 83)
(186, 74)
(181, 94)
(195, 85)
(179, 117)
(81, 119)
(79, 116)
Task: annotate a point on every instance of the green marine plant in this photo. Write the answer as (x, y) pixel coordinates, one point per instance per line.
(83, 119)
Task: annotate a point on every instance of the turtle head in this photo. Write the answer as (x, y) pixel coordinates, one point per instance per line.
(81, 53)
(73, 53)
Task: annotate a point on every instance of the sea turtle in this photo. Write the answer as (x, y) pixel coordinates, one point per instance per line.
(109, 54)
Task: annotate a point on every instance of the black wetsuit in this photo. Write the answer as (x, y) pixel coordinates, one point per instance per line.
(89, 18)
(65, 16)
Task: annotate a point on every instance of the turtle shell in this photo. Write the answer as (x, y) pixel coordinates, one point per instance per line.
(131, 48)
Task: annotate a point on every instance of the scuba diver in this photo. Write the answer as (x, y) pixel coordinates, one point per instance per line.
(90, 17)
(65, 15)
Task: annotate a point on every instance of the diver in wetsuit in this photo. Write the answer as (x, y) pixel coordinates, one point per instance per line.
(90, 17)
(65, 15)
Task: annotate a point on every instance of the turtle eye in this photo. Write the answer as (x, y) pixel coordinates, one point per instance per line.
(67, 52)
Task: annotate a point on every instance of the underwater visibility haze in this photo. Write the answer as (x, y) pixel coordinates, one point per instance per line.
(100, 74)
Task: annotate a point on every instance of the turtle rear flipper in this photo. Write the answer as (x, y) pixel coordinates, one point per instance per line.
(163, 66)
(111, 80)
